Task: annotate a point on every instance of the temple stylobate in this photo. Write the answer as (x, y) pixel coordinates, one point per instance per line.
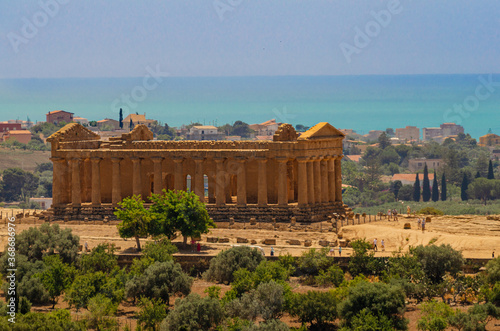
(291, 176)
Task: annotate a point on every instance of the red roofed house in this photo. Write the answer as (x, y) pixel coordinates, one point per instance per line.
(57, 116)
(409, 179)
(267, 128)
(23, 136)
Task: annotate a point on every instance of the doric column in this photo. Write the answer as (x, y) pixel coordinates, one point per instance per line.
(116, 192)
(76, 198)
(338, 179)
(324, 180)
(178, 180)
(220, 182)
(57, 180)
(262, 182)
(199, 185)
(282, 183)
(331, 179)
(96, 181)
(157, 179)
(310, 181)
(317, 180)
(136, 176)
(86, 188)
(302, 182)
(241, 181)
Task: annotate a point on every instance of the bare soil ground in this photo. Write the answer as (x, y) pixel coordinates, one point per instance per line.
(475, 236)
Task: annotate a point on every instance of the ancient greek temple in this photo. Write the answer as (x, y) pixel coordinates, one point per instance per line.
(291, 176)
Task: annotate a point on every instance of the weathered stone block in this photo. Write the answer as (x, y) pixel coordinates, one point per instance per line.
(223, 240)
(269, 241)
(212, 239)
(253, 241)
(343, 243)
(294, 242)
(241, 240)
(324, 243)
(308, 243)
(407, 226)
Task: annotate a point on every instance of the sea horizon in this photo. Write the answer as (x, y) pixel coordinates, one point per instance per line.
(359, 102)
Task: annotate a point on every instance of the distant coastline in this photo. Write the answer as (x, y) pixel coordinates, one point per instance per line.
(363, 103)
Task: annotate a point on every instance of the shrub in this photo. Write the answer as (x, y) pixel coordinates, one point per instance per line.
(332, 276)
(312, 261)
(101, 258)
(363, 259)
(86, 286)
(160, 251)
(24, 305)
(227, 262)
(367, 320)
(272, 325)
(100, 314)
(151, 314)
(430, 211)
(476, 317)
(437, 260)
(59, 320)
(434, 316)
(493, 270)
(317, 308)
(193, 314)
(33, 290)
(266, 301)
(377, 298)
(160, 280)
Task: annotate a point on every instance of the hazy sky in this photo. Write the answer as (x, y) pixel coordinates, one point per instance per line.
(114, 38)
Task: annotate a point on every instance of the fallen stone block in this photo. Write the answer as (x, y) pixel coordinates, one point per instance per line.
(324, 243)
(407, 226)
(253, 241)
(241, 240)
(343, 243)
(269, 241)
(212, 239)
(223, 240)
(294, 242)
(308, 243)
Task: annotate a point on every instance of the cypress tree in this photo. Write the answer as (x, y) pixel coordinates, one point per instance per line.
(121, 118)
(426, 186)
(131, 126)
(435, 190)
(478, 174)
(464, 187)
(443, 188)
(416, 190)
(491, 175)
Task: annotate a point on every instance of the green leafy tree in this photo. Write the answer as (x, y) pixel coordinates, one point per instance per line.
(493, 271)
(317, 308)
(491, 175)
(416, 189)
(464, 188)
(426, 187)
(100, 315)
(437, 260)
(443, 188)
(160, 280)
(241, 129)
(484, 189)
(101, 258)
(435, 189)
(435, 316)
(194, 313)
(363, 259)
(151, 313)
(227, 262)
(476, 317)
(135, 219)
(395, 187)
(405, 193)
(378, 299)
(182, 211)
(18, 184)
(384, 141)
(57, 277)
(266, 301)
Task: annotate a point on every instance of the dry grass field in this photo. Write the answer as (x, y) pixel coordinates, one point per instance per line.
(26, 160)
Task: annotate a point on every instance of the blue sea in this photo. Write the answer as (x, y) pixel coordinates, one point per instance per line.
(361, 103)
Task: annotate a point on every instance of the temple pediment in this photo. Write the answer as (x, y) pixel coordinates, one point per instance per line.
(73, 132)
(322, 130)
